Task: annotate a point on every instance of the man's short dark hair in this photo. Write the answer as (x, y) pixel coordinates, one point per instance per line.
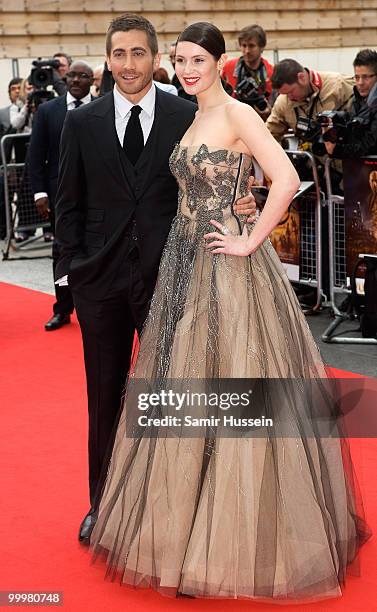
(253, 31)
(127, 22)
(366, 57)
(285, 73)
(61, 54)
(14, 81)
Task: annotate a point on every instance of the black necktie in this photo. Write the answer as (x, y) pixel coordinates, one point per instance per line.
(77, 103)
(133, 141)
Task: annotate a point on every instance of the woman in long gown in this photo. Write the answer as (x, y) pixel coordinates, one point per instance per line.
(269, 517)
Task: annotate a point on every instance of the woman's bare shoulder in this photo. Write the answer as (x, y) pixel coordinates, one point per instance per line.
(240, 109)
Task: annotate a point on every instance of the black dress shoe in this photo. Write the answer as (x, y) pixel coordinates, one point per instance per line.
(57, 321)
(87, 527)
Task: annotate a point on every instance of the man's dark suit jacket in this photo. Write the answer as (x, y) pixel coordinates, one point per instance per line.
(44, 146)
(100, 193)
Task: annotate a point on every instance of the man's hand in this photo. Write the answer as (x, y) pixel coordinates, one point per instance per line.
(246, 205)
(43, 207)
(330, 146)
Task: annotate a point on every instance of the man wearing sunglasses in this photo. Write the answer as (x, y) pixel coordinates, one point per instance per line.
(360, 136)
(44, 163)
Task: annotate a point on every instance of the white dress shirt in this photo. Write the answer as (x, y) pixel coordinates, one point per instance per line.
(70, 100)
(123, 112)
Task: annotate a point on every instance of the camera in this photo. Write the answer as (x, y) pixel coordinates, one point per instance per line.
(37, 97)
(308, 129)
(247, 92)
(340, 124)
(337, 123)
(41, 75)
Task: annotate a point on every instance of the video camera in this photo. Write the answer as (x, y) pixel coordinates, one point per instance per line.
(247, 92)
(41, 76)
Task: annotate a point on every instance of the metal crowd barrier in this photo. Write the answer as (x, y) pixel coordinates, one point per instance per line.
(337, 266)
(20, 211)
(310, 235)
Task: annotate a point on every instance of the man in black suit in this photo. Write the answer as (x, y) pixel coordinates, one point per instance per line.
(115, 204)
(44, 164)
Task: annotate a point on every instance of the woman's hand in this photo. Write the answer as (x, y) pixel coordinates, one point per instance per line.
(225, 242)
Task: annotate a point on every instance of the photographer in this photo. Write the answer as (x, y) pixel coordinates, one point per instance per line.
(303, 93)
(59, 73)
(354, 134)
(250, 75)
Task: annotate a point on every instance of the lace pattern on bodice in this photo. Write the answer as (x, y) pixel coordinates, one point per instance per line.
(209, 180)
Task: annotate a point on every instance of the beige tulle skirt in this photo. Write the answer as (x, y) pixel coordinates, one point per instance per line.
(268, 516)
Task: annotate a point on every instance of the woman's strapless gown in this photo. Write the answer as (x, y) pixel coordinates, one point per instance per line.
(253, 517)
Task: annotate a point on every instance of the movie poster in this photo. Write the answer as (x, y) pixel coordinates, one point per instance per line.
(360, 200)
(286, 241)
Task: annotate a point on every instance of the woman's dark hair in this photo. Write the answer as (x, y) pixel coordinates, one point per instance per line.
(205, 35)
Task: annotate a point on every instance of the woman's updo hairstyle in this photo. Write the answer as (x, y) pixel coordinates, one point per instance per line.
(205, 35)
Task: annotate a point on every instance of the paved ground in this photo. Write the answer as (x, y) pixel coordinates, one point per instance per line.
(37, 274)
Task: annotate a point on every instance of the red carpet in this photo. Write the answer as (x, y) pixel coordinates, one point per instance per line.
(43, 474)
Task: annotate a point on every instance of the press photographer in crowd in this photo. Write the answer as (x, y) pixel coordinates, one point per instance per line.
(354, 134)
(303, 94)
(62, 66)
(250, 75)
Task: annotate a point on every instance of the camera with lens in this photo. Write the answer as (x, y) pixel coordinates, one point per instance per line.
(42, 75)
(336, 122)
(308, 129)
(311, 130)
(247, 92)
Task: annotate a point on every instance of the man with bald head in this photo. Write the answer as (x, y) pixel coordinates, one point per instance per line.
(44, 164)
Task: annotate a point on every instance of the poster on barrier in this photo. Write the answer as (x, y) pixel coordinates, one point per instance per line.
(286, 241)
(360, 202)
